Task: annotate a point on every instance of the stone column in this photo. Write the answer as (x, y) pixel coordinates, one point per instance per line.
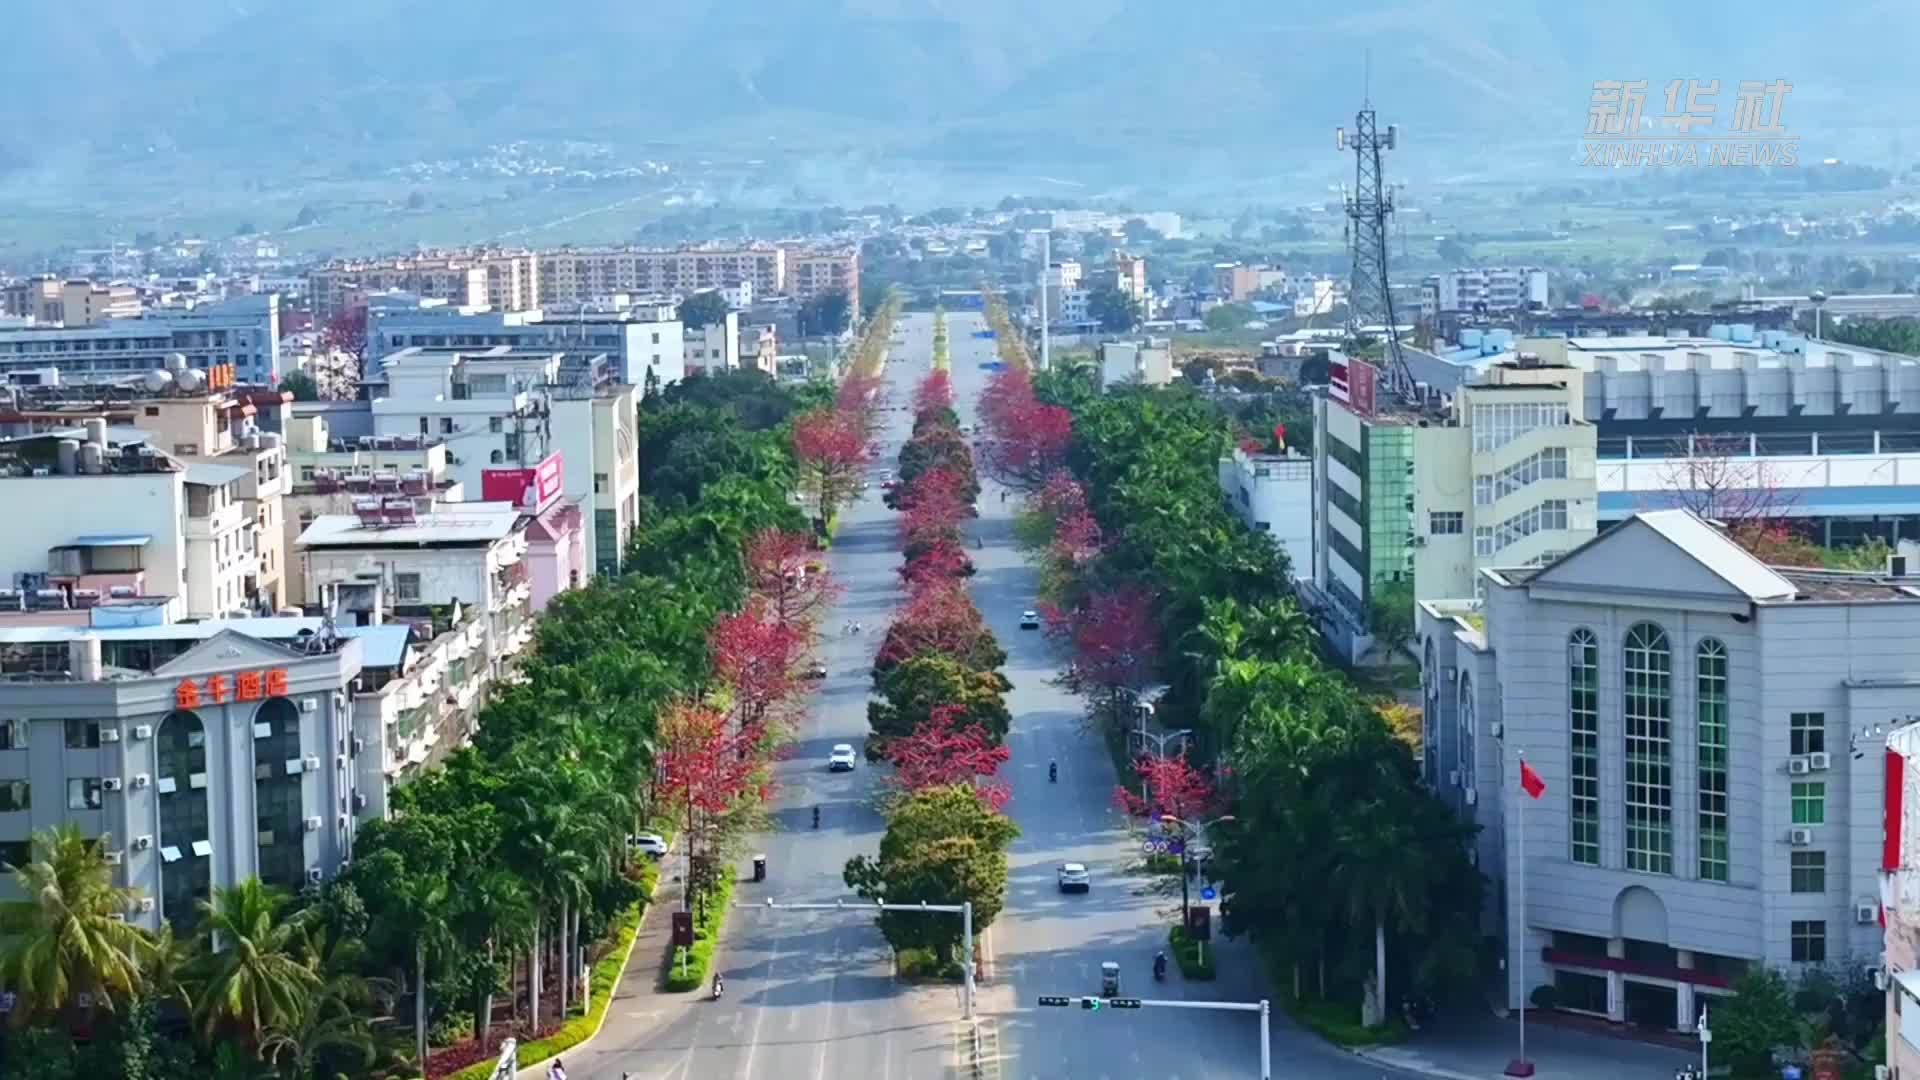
(1685, 1006)
(1616, 982)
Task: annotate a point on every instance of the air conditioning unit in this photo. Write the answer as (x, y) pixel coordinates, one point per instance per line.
(141, 780)
(1820, 761)
(1879, 977)
(307, 704)
(1866, 914)
(359, 745)
(359, 801)
(311, 761)
(1453, 674)
(1453, 777)
(1473, 796)
(142, 843)
(114, 858)
(1798, 766)
(112, 783)
(313, 824)
(1498, 729)
(109, 734)
(1880, 1072)
(1799, 837)
(313, 875)
(340, 761)
(344, 822)
(146, 905)
(143, 731)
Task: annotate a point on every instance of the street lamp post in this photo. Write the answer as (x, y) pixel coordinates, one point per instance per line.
(1187, 831)
(1706, 1040)
(1819, 298)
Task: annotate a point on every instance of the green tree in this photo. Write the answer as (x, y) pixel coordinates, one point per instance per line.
(70, 935)
(703, 309)
(1379, 875)
(1756, 1019)
(1115, 311)
(249, 973)
(301, 386)
(1228, 317)
(942, 845)
(910, 691)
(825, 314)
(1390, 617)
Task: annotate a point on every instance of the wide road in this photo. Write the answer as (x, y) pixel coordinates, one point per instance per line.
(810, 996)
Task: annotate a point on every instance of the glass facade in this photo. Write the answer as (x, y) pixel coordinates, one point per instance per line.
(278, 818)
(1710, 710)
(1583, 724)
(186, 856)
(1648, 714)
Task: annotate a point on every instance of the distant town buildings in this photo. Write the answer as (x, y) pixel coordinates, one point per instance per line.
(1483, 289)
(242, 333)
(68, 302)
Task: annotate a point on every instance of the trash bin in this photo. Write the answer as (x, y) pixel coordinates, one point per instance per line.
(759, 868)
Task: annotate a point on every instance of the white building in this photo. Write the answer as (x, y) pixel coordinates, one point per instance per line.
(1148, 363)
(222, 541)
(1485, 289)
(1273, 494)
(714, 347)
(644, 338)
(593, 431)
(1708, 730)
(482, 403)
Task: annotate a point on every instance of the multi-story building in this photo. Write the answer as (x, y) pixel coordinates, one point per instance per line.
(1236, 281)
(1708, 730)
(760, 348)
(646, 340)
(334, 288)
(71, 303)
(208, 752)
(1273, 494)
(572, 277)
(1900, 898)
(1484, 288)
(1131, 272)
(242, 334)
(593, 432)
(813, 273)
(1147, 363)
(1363, 492)
(1505, 477)
(715, 346)
(458, 555)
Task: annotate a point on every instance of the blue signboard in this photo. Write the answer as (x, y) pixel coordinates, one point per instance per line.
(986, 334)
(1208, 893)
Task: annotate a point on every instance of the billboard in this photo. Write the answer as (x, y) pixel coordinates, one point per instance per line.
(535, 488)
(1355, 383)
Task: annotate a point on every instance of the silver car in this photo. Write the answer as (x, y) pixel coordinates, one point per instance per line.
(1073, 877)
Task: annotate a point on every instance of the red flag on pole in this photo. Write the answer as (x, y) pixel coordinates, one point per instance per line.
(1530, 781)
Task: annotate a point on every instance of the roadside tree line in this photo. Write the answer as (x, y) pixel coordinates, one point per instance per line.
(507, 866)
(1349, 874)
(940, 717)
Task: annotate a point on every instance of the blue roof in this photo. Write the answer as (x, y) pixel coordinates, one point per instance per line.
(380, 646)
(1799, 503)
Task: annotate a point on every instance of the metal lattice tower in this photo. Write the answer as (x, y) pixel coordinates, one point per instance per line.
(1369, 205)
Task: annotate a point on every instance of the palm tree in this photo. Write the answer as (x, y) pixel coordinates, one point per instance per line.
(330, 1024)
(69, 935)
(1380, 875)
(250, 971)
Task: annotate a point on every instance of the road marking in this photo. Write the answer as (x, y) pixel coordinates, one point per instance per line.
(760, 1014)
(826, 1035)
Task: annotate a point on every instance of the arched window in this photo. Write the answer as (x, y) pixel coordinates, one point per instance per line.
(186, 853)
(278, 808)
(497, 456)
(1430, 725)
(1710, 697)
(1465, 759)
(1583, 746)
(1647, 720)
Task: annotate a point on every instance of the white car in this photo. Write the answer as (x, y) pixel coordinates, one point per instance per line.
(841, 759)
(1029, 620)
(650, 844)
(1073, 877)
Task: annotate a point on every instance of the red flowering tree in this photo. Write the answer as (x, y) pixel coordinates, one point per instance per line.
(1169, 786)
(1026, 439)
(939, 619)
(940, 563)
(858, 401)
(705, 765)
(787, 575)
(934, 394)
(1115, 646)
(831, 450)
(346, 333)
(755, 657)
(1076, 538)
(943, 751)
(1007, 392)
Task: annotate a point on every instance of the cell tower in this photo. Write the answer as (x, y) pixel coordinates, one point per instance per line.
(1369, 205)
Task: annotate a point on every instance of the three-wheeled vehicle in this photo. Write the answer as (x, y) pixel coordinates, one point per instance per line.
(1109, 979)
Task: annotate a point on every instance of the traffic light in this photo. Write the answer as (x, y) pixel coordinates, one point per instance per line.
(1124, 1003)
(1055, 1000)
(1091, 1004)
(1200, 923)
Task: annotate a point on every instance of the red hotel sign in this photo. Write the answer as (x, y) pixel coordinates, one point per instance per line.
(1355, 382)
(512, 485)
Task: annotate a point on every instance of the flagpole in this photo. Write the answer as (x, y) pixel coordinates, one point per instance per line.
(1520, 1066)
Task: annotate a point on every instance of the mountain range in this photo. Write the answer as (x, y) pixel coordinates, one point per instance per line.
(1103, 86)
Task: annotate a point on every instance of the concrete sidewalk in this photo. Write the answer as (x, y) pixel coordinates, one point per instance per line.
(637, 1002)
(1478, 1048)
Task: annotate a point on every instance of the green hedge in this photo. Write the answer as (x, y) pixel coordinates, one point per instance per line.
(1340, 1023)
(1194, 964)
(606, 977)
(921, 965)
(706, 934)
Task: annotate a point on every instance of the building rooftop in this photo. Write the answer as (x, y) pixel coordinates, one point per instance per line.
(209, 475)
(381, 646)
(455, 523)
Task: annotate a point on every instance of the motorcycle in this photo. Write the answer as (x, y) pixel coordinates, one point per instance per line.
(719, 987)
(816, 817)
(1159, 967)
(1053, 773)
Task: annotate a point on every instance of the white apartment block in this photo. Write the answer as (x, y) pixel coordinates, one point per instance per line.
(1504, 478)
(1710, 733)
(572, 277)
(336, 287)
(1273, 494)
(1485, 288)
(594, 433)
(813, 273)
(714, 347)
(243, 333)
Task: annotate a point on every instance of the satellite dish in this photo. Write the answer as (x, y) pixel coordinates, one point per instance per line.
(158, 379)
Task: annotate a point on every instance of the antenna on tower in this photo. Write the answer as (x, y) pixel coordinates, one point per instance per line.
(1369, 205)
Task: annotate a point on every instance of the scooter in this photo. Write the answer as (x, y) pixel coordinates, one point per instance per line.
(816, 817)
(1159, 967)
(1053, 773)
(719, 987)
